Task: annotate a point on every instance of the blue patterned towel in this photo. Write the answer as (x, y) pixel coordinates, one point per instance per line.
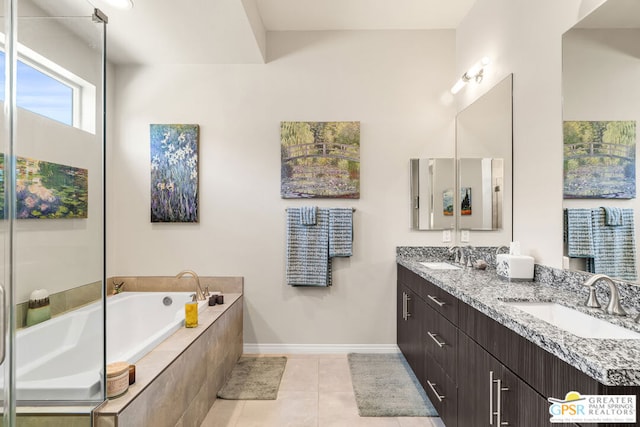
(340, 232)
(308, 215)
(613, 216)
(578, 233)
(615, 247)
(308, 262)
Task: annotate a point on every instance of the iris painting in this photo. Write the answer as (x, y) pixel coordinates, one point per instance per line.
(174, 173)
(47, 190)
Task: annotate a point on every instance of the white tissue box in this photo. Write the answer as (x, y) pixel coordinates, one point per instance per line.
(515, 267)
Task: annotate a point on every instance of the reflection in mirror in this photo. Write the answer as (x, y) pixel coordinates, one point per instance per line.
(600, 69)
(432, 194)
(481, 189)
(484, 148)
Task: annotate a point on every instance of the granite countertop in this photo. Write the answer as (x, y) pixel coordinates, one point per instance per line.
(609, 361)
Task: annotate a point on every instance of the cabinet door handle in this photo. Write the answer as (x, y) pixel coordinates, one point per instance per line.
(408, 312)
(404, 306)
(499, 421)
(434, 337)
(433, 389)
(436, 300)
(491, 413)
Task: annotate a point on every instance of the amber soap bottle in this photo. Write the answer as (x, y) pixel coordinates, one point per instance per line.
(191, 314)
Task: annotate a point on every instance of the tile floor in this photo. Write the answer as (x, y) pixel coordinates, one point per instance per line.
(315, 391)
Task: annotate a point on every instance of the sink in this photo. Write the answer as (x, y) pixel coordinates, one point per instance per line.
(574, 321)
(440, 266)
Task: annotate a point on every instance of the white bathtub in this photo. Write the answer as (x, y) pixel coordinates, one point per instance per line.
(61, 359)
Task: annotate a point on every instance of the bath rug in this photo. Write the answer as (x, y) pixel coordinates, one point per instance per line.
(254, 378)
(385, 386)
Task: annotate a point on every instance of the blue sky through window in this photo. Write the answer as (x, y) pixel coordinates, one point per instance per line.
(40, 93)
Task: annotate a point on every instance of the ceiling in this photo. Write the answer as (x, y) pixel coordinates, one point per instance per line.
(233, 31)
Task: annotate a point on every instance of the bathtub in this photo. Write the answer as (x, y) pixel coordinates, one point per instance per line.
(61, 359)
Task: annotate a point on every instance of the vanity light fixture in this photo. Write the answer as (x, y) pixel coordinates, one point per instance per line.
(474, 73)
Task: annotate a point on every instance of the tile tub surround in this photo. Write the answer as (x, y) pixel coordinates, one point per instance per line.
(177, 382)
(224, 284)
(611, 362)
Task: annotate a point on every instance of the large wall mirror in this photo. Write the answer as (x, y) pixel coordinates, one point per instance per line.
(601, 109)
(484, 145)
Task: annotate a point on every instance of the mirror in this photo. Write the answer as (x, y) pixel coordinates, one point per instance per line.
(484, 140)
(481, 190)
(433, 182)
(600, 69)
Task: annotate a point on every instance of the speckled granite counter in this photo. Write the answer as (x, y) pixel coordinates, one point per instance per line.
(609, 361)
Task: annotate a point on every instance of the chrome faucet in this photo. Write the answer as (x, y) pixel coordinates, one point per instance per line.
(455, 250)
(469, 249)
(502, 248)
(613, 307)
(200, 295)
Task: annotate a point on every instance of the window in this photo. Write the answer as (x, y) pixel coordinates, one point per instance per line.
(41, 93)
(46, 88)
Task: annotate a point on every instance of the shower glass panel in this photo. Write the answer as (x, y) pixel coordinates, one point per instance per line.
(57, 226)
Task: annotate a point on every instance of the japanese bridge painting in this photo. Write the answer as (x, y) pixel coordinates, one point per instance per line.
(599, 159)
(320, 160)
(174, 173)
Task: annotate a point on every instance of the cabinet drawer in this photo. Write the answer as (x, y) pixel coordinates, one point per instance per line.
(441, 341)
(442, 392)
(442, 301)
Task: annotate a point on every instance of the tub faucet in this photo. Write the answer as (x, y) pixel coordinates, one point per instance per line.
(200, 295)
(613, 307)
(118, 287)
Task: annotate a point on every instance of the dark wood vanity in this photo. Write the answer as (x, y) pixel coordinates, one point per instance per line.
(476, 371)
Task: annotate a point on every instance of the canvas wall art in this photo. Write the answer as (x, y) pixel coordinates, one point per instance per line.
(174, 173)
(46, 190)
(320, 160)
(447, 202)
(466, 207)
(599, 159)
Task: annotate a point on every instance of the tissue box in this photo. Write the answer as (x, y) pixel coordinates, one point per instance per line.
(515, 267)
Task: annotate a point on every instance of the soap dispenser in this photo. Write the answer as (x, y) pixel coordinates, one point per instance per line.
(39, 309)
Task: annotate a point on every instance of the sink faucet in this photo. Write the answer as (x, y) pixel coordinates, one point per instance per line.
(614, 306)
(455, 250)
(502, 249)
(200, 295)
(469, 251)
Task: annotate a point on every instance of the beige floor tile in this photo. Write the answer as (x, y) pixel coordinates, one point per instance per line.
(300, 375)
(224, 413)
(291, 409)
(334, 375)
(339, 409)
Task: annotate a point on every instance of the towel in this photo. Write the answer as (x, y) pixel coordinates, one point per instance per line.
(307, 257)
(614, 247)
(578, 233)
(308, 215)
(612, 216)
(340, 232)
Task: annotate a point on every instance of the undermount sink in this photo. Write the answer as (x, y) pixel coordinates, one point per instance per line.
(440, 266)
(574, 321)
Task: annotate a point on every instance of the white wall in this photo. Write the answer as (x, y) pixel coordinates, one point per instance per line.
(523, 37)
(392, 82)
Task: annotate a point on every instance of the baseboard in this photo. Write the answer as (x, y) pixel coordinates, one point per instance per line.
(319, 348)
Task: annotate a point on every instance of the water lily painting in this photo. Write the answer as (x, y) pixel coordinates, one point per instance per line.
(47, 190)
(174, 173)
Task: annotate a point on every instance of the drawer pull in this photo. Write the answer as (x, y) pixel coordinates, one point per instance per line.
(434, 337)
(433, 389)
(436, 300)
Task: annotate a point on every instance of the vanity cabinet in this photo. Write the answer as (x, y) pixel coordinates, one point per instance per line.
(476, 371)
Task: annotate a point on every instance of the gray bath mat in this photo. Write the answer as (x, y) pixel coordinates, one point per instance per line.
(385, 386)
(254, 378)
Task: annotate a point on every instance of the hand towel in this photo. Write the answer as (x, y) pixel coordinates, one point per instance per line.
(308, 215)
(614, 247)
(307, 257)
(578, 232)
(340, 232)
(612, 216)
